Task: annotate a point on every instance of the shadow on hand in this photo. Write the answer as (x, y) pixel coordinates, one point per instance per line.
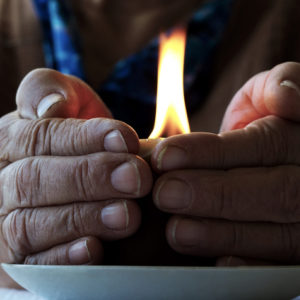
(149, 247)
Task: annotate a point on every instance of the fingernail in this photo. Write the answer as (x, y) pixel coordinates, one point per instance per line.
(187, 233)
(171, 157)
(173, 194)
(115, 216)
(47, 102)
(292, 85)
(115, 142)
(126, 178)
(79, 253)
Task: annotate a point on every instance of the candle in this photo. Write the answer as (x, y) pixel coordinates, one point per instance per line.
(147, 146)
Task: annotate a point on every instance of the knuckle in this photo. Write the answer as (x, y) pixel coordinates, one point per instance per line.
(289, 241)
(4, 145)
(41, 137)
(289, 195)
(75, 222)
(78, 132)
(270, 136)
(92, 175)
(223, 206)
(20, 182)
(218, 146)
(221, 203)
(34, 139)
(237, 238)
(84, 175)
(54, 256)
(214, 154)
(15, 231)
(33, 260)
(98, 126)
(27, 178)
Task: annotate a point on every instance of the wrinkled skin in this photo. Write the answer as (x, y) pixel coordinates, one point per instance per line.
(66, 182)
(236, 192)
(31, 144)
(235, 195)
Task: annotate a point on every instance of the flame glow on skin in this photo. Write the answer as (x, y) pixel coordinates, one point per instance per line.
(171, 116)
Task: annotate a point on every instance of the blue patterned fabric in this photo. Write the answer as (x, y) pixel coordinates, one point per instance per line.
(61, 42)
(130, 91)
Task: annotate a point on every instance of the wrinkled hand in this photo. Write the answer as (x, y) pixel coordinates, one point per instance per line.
(237, 193)
(63, 186)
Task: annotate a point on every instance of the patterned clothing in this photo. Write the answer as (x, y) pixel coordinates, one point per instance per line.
(131, 89)
(61, 47)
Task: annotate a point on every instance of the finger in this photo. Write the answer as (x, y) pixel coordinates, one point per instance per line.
(213, 238)
(22, 138)
(266, 142)
(84, 251)
(235, 261)
(253, 194)
(33, 230)
(46, 93)
(101, 176)
(275, 92)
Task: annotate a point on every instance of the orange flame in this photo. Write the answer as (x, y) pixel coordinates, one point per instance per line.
(171, 116)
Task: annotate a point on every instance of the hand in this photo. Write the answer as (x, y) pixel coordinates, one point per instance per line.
(63, 186)
(237, 193)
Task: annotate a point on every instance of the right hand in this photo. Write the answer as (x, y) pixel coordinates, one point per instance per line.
(63, 187)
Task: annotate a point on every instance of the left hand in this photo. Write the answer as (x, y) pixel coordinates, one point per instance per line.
(64, 189)
(238, 193)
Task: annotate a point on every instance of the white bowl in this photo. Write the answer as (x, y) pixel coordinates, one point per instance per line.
(128, 282)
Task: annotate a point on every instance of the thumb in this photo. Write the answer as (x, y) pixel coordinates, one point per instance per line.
(275, 92)
(46, 93)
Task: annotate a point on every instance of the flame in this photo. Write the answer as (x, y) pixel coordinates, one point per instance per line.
(171, 116)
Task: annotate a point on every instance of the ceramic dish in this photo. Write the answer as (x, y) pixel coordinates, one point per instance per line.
(121, 282)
